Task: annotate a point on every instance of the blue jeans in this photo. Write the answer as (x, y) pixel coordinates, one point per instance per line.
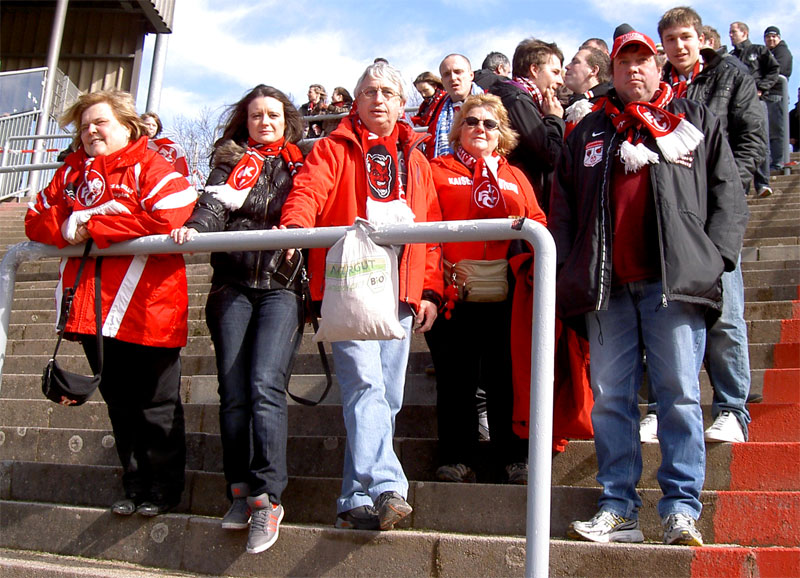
(761, 176)
(674, 337)
(256, 335)
(371, 377)
(727, 352)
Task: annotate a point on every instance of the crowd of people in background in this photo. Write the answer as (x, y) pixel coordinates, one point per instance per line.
(638, 158)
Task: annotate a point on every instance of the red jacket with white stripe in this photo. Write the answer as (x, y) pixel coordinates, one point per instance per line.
(171, 151)
(144, 297)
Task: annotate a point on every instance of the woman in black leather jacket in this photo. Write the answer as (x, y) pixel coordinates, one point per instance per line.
(254, 309)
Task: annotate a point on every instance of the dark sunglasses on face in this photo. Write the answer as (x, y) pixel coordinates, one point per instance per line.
(488, 123)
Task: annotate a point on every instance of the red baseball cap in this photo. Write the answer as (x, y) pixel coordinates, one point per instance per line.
(629, 38)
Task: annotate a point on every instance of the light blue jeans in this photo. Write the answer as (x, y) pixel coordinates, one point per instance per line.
(371, 377)
(727, 352)
(674, 337)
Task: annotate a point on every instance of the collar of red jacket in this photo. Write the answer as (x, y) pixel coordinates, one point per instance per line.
(127, 156)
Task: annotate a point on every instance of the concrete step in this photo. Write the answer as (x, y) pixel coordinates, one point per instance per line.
(29, 564)
(47, 439)
(479, 509)
(178, 542)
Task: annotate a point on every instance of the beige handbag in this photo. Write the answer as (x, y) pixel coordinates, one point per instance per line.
(478, 280)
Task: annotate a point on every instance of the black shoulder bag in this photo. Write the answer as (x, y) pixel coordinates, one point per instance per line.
(299, 268)
(61, 386)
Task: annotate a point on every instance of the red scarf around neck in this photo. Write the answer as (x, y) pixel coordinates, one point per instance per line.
(245, 174)
(381, 162)
(674, 136)
(486, 202)
(680, 87)
(528, 85)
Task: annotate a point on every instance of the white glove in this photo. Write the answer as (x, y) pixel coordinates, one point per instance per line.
(69, 228)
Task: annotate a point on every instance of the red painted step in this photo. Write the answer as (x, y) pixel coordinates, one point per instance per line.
(752, 518)
(781, 386)
(712, 562)
(775, 422)
(765, 466)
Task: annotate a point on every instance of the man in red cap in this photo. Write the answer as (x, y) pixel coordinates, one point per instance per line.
(646, 214)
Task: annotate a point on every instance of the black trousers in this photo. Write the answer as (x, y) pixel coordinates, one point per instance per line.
(141, 386)
(473, 349)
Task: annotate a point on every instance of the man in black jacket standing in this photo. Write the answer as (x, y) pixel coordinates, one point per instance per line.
(535, 112)
(645, 217)
(765, 70)
(775, 105)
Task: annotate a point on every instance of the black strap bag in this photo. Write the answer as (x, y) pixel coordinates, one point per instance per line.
(59, 385)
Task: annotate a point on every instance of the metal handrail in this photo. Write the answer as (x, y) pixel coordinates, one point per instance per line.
(537, 545)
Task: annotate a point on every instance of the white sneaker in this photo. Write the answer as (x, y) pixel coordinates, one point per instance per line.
(648, 429)
(726, 428)
(679, 530)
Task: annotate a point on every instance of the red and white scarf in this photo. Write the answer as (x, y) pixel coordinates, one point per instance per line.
(244, 175)
(680, 83)
(528, 85)
(675, 136)
(486, 201)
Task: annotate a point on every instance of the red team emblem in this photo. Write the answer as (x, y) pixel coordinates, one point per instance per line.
(593, 153)
(168, 152)
(246, 175)
(92, 189)
(486, 195)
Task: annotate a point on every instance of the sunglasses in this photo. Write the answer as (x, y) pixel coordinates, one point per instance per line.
(488, 123)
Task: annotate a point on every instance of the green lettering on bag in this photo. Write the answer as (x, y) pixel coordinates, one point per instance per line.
(360, 267)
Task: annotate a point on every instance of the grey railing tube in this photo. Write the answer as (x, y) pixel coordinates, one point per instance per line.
(537, 545)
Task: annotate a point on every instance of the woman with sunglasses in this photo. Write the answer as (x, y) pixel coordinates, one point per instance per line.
(470, 344)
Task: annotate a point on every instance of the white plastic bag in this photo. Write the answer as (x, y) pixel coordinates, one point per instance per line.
(361, 284)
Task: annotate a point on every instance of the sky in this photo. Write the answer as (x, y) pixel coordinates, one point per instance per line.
(219, 49)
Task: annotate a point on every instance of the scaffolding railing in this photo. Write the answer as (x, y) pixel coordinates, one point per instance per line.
(543, 326)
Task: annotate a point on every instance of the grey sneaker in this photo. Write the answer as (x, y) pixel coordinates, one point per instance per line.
(517, 473)
(238, 515)
(679, 530)
(455, 473)
(392, 507)
(265, 522)
(606, 527)
(360, 518)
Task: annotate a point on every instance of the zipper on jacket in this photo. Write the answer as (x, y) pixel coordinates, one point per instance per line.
(660, 232)
(604, 191)
(257, 270)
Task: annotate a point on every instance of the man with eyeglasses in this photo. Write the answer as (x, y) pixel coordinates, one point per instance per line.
(371, 167)
(535, 111)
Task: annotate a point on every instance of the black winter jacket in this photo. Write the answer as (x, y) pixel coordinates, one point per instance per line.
(763, 67)
(701, 214)
(541, 138)
(783, 55)
(731, 94)
(261, 210)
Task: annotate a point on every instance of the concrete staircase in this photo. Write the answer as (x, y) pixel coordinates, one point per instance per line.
(59, 474)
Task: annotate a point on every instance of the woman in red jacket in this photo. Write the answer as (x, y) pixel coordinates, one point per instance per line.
(113, 188)
(470, 344)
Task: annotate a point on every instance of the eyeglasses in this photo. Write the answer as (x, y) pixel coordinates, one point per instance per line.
(488, 123)
(371, 93)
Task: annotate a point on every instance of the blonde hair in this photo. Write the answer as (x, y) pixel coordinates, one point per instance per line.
(507, 139)
(122, 105)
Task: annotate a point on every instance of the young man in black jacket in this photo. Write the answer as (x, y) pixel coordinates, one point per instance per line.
(765, 70)
(535, 112)
(701, 74)
(645, 217)
(775, 105)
